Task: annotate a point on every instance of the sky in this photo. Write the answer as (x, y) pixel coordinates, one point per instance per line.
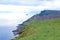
(13, 12)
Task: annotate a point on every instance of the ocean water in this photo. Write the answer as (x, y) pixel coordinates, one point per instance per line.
(12, 19)
(6, 32)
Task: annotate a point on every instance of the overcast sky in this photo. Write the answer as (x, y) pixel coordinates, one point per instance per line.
(26, 2)
(13, 12)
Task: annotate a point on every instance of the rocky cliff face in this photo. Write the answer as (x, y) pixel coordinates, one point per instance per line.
(44, 15)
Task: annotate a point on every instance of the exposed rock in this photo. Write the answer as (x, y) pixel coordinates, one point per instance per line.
(44, 15)
(19, 29)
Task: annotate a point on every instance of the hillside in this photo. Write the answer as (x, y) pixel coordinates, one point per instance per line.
(43, 26)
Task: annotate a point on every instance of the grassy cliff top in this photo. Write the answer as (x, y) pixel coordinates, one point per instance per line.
(45, 30)
(43, 26)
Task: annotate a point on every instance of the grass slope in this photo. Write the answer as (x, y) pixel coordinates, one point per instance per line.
(41, 30)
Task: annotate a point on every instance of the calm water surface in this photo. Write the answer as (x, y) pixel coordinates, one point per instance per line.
(6, 32)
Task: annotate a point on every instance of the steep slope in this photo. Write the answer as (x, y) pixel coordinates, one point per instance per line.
(43, 26)
(45, 15)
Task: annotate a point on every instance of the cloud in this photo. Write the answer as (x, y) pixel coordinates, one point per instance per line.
(44, 3)
(11, 19)
(15, 14)
(19, 2)
(28, 2)
(51, 5)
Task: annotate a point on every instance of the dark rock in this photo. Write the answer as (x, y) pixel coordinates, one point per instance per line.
(19, 29)
(44, 15)
(15, 32)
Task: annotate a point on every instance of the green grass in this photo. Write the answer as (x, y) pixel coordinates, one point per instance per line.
(41, 30)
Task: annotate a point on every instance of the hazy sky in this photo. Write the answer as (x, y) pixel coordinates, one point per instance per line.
(13, 12)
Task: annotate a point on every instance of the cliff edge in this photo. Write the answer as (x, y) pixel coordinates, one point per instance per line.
(45, 22)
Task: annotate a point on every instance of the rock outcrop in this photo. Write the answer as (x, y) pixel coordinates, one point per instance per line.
(44, 15)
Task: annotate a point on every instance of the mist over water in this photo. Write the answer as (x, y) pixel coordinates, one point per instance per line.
(8, 25)
(6, 32)
(14, 12)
